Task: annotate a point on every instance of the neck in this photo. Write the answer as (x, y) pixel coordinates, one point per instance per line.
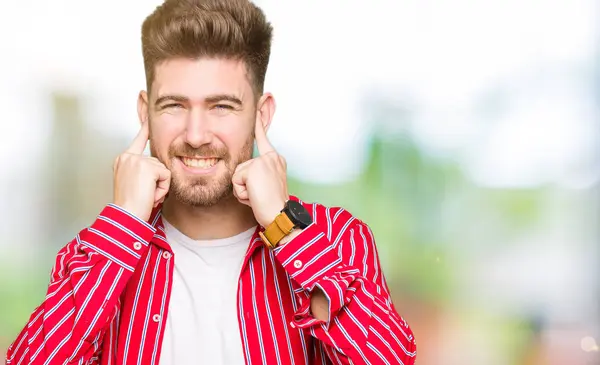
(225, 219)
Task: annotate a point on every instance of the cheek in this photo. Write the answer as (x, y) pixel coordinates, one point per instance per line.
(236, 141)
(162, 134)
(167, 125)
(234, 135)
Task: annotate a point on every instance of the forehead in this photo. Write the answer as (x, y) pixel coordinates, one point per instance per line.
(199, 78)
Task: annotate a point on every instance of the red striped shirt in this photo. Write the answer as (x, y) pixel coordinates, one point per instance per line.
(108, 297)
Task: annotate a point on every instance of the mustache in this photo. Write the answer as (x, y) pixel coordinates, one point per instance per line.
(187, 150)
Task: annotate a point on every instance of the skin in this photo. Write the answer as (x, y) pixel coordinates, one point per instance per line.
(205, 110)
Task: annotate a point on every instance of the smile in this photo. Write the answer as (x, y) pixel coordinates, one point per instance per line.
(199, 163)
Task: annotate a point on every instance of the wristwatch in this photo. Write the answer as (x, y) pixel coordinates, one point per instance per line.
(292, 216)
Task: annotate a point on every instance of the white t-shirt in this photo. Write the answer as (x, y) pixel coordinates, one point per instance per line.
(202, 322)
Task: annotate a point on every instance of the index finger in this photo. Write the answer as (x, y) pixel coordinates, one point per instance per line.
(262, 142)
(139, 142)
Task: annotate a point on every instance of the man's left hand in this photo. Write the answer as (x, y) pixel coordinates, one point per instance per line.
(261, 182)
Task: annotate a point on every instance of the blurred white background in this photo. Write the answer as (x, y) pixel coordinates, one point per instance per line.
(506, 92)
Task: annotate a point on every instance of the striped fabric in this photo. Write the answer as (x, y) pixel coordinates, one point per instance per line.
(109, 292)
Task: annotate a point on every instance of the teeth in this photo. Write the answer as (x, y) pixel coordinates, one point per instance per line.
(203, 163)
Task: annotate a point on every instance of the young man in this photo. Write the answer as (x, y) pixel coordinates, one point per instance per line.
(203, 257)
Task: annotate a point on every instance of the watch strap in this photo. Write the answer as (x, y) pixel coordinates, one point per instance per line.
(274, 232)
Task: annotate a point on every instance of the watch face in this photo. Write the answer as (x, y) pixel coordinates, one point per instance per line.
(298, 214)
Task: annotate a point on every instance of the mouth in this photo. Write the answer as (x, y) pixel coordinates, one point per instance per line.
(199, 163)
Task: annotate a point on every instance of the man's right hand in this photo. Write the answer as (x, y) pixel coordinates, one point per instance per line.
(140, 182)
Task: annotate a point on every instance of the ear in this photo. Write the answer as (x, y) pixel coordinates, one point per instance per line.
(265, 110)
(142, 107)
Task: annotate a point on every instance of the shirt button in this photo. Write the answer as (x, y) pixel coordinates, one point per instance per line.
(137, 245)
(166, 255)
(297, 264)
(156, 317)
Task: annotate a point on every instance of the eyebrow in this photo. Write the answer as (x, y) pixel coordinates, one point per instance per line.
(208, 100)
(177, 98)
(223, 97)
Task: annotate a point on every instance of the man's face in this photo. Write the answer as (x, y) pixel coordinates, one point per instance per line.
(202, 115)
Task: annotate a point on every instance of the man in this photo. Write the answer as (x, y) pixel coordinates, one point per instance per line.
(203, 257)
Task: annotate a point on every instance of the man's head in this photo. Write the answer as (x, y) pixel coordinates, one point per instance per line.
(205, 63)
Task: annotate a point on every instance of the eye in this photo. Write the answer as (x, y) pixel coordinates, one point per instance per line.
(223, 107)
(172, 106)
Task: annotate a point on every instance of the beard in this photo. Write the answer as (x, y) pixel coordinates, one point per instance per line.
(205, 191)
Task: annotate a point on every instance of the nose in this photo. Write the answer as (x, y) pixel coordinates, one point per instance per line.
(197, 131)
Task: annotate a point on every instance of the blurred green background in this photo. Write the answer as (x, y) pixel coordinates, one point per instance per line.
(464, 134)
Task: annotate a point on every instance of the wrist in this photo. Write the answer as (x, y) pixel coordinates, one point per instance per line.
(271, 213)
(135, 212)
(295, 232)
(287, 224)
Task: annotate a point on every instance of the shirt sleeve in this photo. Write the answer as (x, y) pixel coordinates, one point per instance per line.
(339, 256)
(88, 277)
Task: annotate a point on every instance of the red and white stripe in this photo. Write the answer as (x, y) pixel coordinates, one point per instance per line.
(110, 288)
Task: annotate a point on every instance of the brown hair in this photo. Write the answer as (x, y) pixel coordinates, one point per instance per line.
(230, 29)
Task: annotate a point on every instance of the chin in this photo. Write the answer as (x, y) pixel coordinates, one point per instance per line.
(210, 192)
